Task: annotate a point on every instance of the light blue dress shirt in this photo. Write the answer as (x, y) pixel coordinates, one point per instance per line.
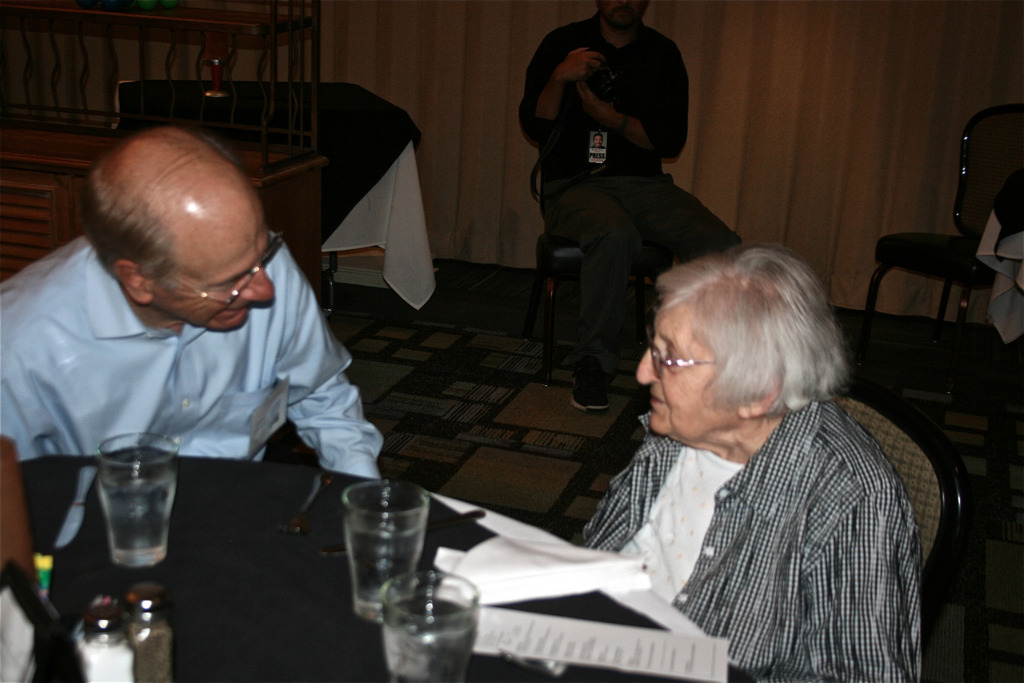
(77, 366)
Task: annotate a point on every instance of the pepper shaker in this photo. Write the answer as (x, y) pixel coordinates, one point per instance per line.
(150, 631)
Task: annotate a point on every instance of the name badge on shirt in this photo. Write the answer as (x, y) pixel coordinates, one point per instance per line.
(269, 417)
(598, 152)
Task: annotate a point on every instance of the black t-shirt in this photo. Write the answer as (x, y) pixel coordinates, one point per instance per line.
(651, 85)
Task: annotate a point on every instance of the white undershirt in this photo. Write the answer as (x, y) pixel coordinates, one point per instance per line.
(671, 538)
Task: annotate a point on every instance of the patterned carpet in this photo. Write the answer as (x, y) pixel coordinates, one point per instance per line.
(463, 415)
(456, 390)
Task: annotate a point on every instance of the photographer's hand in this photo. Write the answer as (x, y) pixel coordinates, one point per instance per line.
(577, 66)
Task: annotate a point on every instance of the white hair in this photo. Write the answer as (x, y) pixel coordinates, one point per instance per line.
(762, 312)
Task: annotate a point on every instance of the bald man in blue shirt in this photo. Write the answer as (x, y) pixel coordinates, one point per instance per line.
(179, 313)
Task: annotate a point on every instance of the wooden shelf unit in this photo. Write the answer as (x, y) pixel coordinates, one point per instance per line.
(51, 128)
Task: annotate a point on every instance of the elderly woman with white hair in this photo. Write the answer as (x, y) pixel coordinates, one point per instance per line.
(763, 512)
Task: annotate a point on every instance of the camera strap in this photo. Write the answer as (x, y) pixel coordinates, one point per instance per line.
(537, 189)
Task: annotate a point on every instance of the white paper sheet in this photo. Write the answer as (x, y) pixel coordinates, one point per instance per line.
(608, 646)
(512, 570)
(499, 523)
(646, 603)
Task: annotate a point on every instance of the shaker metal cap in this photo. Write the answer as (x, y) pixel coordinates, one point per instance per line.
(147, 596)
(103, 615)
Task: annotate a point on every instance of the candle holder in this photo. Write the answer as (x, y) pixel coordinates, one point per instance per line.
(216, 74)
(216, 55)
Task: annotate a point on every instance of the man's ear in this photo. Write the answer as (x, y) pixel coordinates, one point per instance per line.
(137, 286)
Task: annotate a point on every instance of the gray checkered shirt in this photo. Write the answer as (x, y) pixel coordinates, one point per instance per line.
(811, 565)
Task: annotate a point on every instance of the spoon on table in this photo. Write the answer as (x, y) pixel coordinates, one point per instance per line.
(300, 523)
(549, 668)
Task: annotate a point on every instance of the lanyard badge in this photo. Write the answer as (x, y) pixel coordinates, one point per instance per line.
(598, 152)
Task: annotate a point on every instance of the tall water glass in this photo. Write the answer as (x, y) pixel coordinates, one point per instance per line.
(138, 475)
(430, 623)
(384, 525)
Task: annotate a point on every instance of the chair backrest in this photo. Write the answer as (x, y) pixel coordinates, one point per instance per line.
(992, 147)
(33, 641)
(934, 476)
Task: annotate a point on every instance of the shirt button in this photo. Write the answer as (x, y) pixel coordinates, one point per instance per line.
(709, 552)
(185, 403)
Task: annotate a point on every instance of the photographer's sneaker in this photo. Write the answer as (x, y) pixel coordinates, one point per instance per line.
(590, 386)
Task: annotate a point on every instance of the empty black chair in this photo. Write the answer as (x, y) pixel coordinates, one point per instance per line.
(559, 258)
(991, 148)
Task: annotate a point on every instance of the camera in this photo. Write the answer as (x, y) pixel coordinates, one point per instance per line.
(602, 83)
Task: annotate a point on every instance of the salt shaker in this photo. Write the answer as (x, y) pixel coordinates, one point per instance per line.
(150, 631)
(106, 654)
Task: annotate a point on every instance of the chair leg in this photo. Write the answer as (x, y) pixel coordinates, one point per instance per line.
(531, 310)
(327, 284)
(327, 292)
(941, 317)
(869, 313)
(641, 308)
(549, 328)
(958, 335)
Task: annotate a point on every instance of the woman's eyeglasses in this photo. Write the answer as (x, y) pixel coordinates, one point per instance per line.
(660, 363)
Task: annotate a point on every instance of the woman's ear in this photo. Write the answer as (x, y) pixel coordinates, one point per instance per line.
(136, 285)
(757, 409)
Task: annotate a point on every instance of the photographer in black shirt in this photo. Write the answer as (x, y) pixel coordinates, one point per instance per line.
(612, 76)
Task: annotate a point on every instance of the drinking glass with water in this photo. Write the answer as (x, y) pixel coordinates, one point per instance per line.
(430, 621)
(138, 476)
(385, 521)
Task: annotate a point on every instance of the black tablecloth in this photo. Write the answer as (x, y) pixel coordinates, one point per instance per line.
(360, 134)
(249, 602)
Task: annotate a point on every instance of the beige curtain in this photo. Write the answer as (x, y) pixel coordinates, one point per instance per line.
(818, 124)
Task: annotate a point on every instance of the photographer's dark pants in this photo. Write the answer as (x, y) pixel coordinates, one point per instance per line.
(611, 217)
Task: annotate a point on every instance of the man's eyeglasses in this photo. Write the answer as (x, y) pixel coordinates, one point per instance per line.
(228, 293)
(659, 364)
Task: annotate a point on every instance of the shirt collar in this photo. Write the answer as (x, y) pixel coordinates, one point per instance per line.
(759, 478)
(788, 446)
(110, 314)
(595, 27)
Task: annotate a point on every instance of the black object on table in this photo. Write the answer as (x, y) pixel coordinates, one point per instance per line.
(250, 603)
(360, 133)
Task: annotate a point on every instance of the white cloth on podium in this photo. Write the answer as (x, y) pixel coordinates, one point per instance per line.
(391, 216)
(1006, 257)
